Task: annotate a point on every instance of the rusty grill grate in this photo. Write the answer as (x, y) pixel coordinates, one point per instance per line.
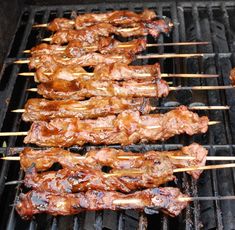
(198, 21)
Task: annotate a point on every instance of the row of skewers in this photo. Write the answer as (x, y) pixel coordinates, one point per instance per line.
(116, 112)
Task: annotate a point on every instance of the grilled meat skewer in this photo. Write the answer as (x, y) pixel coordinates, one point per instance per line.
(126, 128)
(91, 34)
(114, 71)
(105, 45)
(157, 171)
(153, 171)
(164, 199)
(116, 159)
(37, 109)
(80, 89)
(51, 62)
(117, 18)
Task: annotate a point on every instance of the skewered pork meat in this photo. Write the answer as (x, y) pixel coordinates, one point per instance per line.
(37, 109)
(51, 62)
(116, 159)
(103, 72)
(126, 128)
(165, 199)
(90, 35)
(119, 17)
(152, 171)
(79, 89)
(105, 45)
(151, 174)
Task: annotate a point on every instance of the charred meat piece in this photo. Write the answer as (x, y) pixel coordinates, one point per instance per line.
(127, 128)
(37, 109)
(90, 35)
(118, 17)
(104, 45)
(109, 157)
(79, 89)
(51, 62)
(114, 71)
(165, 199)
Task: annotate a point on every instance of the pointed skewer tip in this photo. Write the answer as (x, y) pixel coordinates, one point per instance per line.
(40, 25)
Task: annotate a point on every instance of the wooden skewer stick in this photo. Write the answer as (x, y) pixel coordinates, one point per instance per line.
(205, 198)
(18, 111)
(8, 134)
(216, 107)
(130, 172)
(206, 167)
(174, 88)
(26, 61)
(147, 45)
(183, 157)
(216, 87)
(25, 133)
(163, 75)
(179, 199)
(44, 25)
(14, 182)
(161, 108)
(11, 158)
(170, 55)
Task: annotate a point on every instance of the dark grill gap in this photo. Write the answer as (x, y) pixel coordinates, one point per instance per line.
(205, 21)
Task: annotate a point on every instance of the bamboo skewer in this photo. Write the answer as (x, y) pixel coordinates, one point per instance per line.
(216, 107)
(206, 167)
(147, 45)
(163, 75)
(169, 55)
(179, 199)
(184, 157)
(205, 198)
(216, 87)
(25, 133)
(162, 108)
(174, 88)
(44, 25)
(11, 158)
(9, 134)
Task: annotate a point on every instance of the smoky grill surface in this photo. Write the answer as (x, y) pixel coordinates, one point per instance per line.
(197, 21)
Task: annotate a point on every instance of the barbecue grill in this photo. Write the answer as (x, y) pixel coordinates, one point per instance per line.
(194, 21)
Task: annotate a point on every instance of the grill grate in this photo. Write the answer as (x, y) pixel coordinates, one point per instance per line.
(203, 21)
